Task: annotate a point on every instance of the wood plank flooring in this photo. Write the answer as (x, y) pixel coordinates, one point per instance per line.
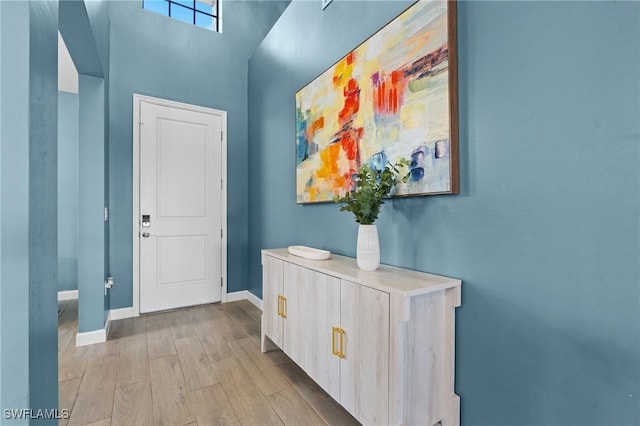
(195, 366)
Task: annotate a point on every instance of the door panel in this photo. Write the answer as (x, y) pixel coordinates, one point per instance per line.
(180, 194)
(182, 260)
(297, 282)
(272, 280)
(180, 175)
(313, 308)
(322, 308)
(364, 374)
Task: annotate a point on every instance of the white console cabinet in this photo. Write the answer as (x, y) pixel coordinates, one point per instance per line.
(380, 343)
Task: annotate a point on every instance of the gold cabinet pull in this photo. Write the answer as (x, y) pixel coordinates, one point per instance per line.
(334, 351)
(279, 305)
(341, 350)
(284, 307)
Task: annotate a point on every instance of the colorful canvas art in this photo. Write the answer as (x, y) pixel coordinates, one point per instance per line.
(392, 97)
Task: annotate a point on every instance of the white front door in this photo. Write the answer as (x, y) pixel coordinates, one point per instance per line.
(180, 221)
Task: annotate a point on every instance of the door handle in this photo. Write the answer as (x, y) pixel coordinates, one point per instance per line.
(145, 235)
(342, 334)
(339, 350)
(334, 331)
(284, 307)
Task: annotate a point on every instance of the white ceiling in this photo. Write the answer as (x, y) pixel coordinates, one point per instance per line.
(67, 74)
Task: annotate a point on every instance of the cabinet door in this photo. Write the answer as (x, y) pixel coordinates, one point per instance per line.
(272, 283)
(364, 373)
(313, 308)
(297, 283)
(324, 314)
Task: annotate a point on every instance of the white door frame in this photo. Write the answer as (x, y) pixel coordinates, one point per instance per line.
(137, 101)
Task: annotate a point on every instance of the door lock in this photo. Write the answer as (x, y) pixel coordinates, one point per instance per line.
(146, 220)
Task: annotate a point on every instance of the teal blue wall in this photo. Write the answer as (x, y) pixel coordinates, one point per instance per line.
(14, 193)
(156, 56)
(68, 191)
(92, 271)
(28, 235)
(85, 29)
(43, 182)
(80, 36)
(2, 320)
(545, 231)
(98, 14)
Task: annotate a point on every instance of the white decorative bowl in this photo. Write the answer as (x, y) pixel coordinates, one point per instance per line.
(309, 252)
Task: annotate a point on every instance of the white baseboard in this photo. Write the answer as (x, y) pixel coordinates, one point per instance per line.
(67, 295)
(122, 313)
(254, 299)
(91, 337)
(245, 295)
(237, 295)
(107, 326)
(99, 336)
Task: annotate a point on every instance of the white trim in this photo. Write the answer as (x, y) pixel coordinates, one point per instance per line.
(107, 326)
(137, 100)
(135, 165)
(99, 336)
(122, 313)
(245, 295)
(255, 300)
(91, 337)
(223, 203)
(67, 295)
(237, 295)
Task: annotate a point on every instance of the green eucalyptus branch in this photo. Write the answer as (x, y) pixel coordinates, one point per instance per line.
(371, 186)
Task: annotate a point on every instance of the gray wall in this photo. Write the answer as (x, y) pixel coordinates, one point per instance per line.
(545, 231)
(156, 56)
(68, 191)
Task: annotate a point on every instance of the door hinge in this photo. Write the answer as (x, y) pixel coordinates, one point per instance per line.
(221, 136)
(221, 233)
(221, 183)
(221, 282)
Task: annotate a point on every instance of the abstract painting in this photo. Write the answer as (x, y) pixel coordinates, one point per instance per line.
(392, 97)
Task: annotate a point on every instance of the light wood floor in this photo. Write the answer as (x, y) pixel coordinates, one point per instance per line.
(195, 366)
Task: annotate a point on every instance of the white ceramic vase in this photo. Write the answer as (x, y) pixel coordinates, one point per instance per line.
(368, 250)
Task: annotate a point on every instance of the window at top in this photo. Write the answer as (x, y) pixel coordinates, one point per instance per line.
(204, 13)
